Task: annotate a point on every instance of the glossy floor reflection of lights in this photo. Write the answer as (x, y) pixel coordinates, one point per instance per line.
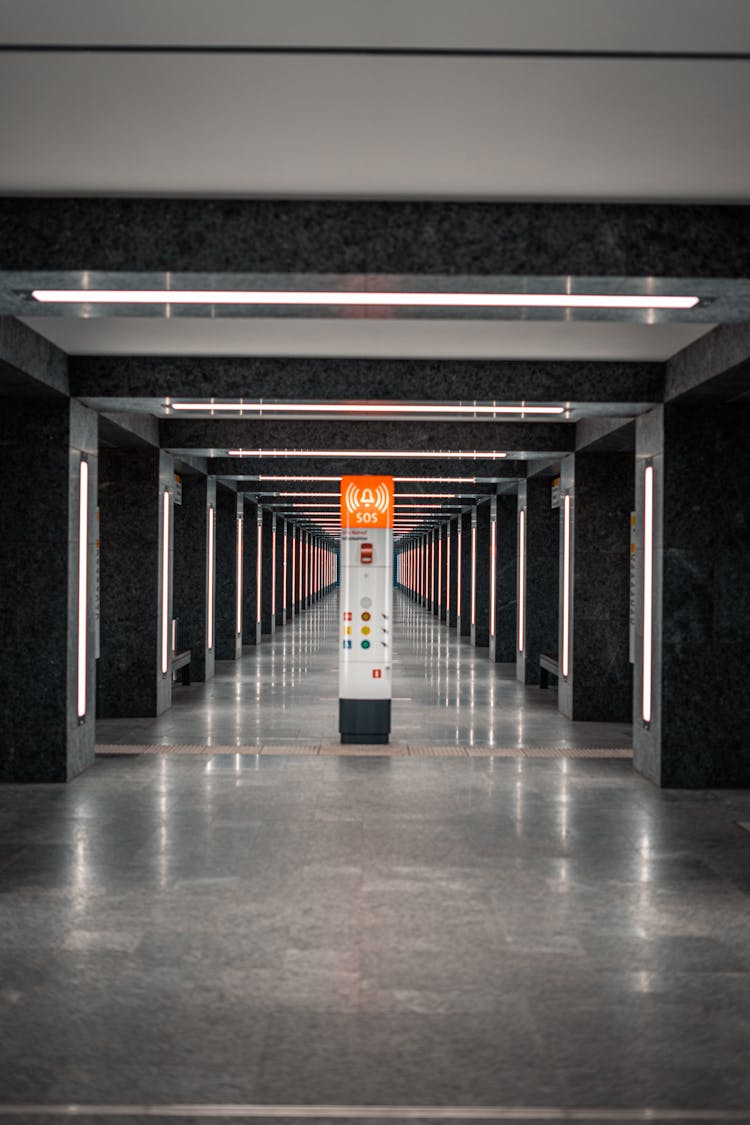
(446, 693)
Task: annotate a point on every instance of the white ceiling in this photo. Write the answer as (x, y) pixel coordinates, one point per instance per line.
(655, 25)
(378, 338)
(495, 128)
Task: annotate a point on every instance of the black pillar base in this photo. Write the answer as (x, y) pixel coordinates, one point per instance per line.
(364, 721)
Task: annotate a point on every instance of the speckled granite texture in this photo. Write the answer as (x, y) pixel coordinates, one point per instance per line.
(542, 553)
(41, 444)
(600, 681)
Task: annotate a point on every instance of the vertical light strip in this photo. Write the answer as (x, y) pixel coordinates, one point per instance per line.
(473, 573)
(459, 563)
(284, 573)
(273, 569)
(299, 570)
(165, 583)
(259, 572)
(648, 591)
(440, 570)
(448, 575)
(238, 583)
(432, 569)
(83, 584)
(566, 587)
(211, 577)
(493, 574)
(522, 580)
(294, 567)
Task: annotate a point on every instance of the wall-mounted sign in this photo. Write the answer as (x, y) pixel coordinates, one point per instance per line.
(177, 493)
(556, 492)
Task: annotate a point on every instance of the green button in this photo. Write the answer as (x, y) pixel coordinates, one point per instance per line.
(365, 644)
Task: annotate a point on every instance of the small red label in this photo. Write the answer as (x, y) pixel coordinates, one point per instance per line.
(377, 674)
(347, 617)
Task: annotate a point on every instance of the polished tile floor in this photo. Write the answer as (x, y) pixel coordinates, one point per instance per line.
(315, 930)
(480, 931)
(446, 693)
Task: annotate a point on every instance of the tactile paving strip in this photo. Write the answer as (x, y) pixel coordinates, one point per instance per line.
(392, 750)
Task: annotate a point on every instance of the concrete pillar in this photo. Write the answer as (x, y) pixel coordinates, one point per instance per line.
(598, 491)
(191, 605)
(131, 678)
(252, 532)
(539, 544)
(480, 527)
(463, 579)
(268, 558)
(502, 647)
(694, 735)
(42, 446)
(434, 587)
(228, 513)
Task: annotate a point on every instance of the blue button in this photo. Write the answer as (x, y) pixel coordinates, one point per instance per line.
(365, 644)
(347, 644)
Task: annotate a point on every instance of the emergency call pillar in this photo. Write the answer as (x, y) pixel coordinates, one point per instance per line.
(366, 579)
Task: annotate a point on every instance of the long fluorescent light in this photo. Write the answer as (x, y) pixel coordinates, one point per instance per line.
(459, 563)
(309, 297)
(648, 591)
(83, 584)
(522, 580)
(360, 408)
(493, 574)
(238, 583)
(211, 577)
(415, 480)
(259, 570)
(420, 455)
(566, 588)
(165, 583)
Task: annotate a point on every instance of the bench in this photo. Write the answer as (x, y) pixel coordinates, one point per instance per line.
(547, 666)
(181, 664)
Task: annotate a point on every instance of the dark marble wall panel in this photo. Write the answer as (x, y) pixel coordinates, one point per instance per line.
(228, 639)
(331, 377)
(30, 364)
(41, 445)
(251, 634)
(268, 576)
(541, 578)
(191, 573)
(361, 236)
(442, 539)
(291, 595)
(282, 568)
(698, 736)
(463, 623)
(599, 682)
(454, 568)
(131, 484)
(480, 630)
(503, 644)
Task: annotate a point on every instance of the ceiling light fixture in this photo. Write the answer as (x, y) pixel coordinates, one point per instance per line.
(363, 408)
(443, 455)
(328, 297)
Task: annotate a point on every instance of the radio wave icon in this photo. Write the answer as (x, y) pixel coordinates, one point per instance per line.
(352, 497)
(381, 498)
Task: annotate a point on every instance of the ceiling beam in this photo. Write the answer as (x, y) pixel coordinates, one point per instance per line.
(29, 364)
(212, 437)
(381, 237)
(249, 469)
(326, 380)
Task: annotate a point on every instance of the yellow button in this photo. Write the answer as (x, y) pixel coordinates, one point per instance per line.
(365, 629)
(348, 630)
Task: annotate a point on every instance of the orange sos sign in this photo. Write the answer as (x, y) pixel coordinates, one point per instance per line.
(367, 502)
